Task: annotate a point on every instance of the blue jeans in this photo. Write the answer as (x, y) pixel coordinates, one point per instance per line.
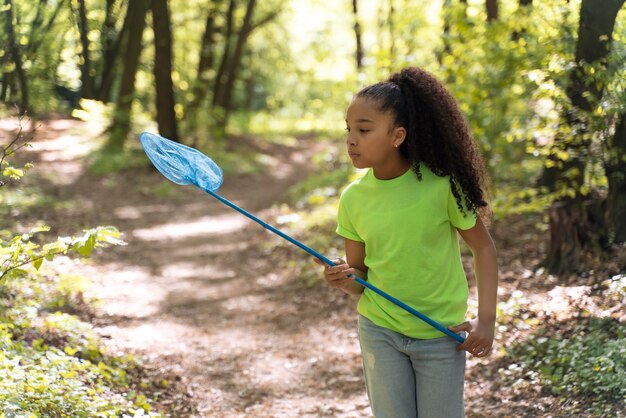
(408, 377)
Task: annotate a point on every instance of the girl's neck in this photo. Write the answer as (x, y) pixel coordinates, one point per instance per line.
(391, 171)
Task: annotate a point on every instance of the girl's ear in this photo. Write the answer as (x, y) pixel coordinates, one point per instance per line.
(399, 136)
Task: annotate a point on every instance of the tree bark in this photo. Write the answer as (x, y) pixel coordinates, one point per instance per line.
(570, 217)
(235, 62)
(111, 40)
(206, 60)
(166, 115)
(86, 77)
(391, 22)
(16, 55)
(136, 18)
(492, 10)
(574, 235)
(357, 35)
(616, 174)
(218, 90)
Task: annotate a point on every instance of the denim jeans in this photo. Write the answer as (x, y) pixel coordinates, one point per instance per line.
(407, 377)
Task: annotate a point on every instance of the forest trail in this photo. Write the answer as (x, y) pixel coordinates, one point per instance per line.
(194, 297)
(197, 297)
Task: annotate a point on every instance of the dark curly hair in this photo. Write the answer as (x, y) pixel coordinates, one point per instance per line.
(437, 133)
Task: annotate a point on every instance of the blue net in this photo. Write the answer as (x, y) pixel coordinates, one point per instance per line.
(182, 164)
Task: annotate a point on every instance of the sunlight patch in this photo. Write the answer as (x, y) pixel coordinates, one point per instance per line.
(202, 226)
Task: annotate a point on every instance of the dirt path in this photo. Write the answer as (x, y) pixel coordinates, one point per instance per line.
(196, 298)
(193, 295)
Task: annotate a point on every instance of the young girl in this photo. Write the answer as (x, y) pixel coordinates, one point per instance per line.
(400, 221)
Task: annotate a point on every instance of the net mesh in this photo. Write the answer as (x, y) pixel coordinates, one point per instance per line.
(182, 164)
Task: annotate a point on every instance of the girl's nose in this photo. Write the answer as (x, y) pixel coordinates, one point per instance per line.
(350, 139)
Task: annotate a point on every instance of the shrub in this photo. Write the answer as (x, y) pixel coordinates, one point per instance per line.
(585, 361)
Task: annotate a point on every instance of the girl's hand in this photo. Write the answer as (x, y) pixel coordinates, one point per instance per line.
(479, 341)
(338, 275)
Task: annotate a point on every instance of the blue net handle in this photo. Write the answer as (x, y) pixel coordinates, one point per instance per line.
(185, 165)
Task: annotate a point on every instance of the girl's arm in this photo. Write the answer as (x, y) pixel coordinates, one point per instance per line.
(337, 276)
(481, 329)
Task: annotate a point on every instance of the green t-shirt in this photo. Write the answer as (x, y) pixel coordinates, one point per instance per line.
(411, 249)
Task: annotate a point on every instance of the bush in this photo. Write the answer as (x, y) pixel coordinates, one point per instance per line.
(51, 362)
(586, 361)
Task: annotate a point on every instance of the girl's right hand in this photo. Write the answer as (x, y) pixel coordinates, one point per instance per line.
(339, 275)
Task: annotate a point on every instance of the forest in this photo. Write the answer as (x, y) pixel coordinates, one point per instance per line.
(123, 294)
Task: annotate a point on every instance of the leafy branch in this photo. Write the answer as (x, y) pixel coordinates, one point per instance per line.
(7, 170)
(20, 250)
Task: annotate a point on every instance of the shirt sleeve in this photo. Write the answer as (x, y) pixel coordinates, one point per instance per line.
(345, 227)
(460, 219)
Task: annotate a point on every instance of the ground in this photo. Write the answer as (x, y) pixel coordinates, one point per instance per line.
(197, 296)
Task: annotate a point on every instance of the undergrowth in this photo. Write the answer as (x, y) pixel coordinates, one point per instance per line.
(52, 363)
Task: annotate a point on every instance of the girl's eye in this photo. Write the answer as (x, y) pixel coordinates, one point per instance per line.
(364, 131)
(347, 129)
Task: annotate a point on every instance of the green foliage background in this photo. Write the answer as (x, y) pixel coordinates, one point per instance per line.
(510, 77)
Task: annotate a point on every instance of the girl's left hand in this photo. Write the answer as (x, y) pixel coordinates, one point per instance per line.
(479, 340)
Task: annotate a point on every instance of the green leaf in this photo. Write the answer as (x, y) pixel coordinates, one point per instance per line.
(37, 263)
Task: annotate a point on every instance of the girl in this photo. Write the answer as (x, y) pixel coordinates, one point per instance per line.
(400, 221)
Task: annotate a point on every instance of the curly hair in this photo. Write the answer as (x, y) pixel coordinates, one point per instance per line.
(437, 133)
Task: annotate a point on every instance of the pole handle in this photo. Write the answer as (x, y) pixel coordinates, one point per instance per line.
(326, 260)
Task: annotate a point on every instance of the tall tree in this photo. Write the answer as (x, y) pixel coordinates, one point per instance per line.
(616, 175)
(357, 35)
(16, 54)
(86, 74)
(166, 115)
(492, 10)
(136, 22)
(576, 221)
(111, 47)
(231, 62)
(207, 57)
(219, 83)
(235, 60)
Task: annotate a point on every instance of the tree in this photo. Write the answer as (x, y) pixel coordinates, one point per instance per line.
(230, 64)
(492, 10)
(16, 55)
(111, 47)
(86, 74)
(166, 116)
(616, 175)
(207, 57)
(576, 219)
(357, 35)
(136, 22)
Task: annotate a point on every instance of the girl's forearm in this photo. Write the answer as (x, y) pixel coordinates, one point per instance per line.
(486, 270)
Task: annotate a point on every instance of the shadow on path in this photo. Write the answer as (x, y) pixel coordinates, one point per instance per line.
(193, 293)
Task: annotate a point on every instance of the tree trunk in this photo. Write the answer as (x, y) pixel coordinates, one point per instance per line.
(86, 76)
(136, 18)
(492, 10)
(357, 34)
(166, 116)
(572, 233)
(235, 62)
(391, 22)
(616, 174)
(4, 86)
(207, 58)
(577, 234)
(218, 90)
(16, 55)
(111, 41)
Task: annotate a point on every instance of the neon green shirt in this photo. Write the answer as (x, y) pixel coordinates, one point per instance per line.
(412, 249)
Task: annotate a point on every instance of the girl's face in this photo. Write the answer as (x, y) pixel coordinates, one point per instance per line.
(373, 139)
